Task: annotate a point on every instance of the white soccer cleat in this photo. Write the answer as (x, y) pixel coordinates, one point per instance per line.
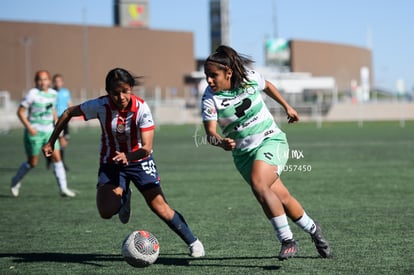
(197, 249)
(67, 193)
(14, 188)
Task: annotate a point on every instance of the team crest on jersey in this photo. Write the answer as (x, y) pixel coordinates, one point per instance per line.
(249, 89)
(210, 111)
(120, 128)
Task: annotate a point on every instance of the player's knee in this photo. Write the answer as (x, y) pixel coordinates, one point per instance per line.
(32, 164)
(259, 186)
(105, 213)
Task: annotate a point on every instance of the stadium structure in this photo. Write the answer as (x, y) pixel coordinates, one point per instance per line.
(314, 76)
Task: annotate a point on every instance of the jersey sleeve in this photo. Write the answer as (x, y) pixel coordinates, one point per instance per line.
(28, 99)
(145, 120)
(258, 78)
(89, 109)
(208, 108)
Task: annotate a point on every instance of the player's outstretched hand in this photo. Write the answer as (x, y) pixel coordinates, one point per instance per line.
(120, 158)
(47, 150)
(292, 115)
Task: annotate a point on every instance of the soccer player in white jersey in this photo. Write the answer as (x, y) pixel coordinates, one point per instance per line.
(260, 150)
(126, 154)
(39, 103)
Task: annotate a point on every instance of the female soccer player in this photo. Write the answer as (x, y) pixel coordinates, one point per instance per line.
(40, 104)
(126, 154)
(260, 150)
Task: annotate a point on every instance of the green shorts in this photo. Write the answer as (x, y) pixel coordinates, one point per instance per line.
(34, 144)
(273, 150)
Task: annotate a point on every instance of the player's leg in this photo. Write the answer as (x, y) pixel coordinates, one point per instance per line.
(263, 177)
(32, 146)
(296, 212)
(60, 175)
(158, 204)
(109, 190)
(24, 168)
(63, 142)
(108, 200)
(293, 208)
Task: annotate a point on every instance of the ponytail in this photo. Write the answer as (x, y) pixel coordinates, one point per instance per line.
(227, 58)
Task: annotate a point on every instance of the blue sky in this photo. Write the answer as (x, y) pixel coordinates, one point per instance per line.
(385, 26)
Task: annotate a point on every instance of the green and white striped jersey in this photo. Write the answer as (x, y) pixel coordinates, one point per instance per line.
(241, 113)
(40, 106)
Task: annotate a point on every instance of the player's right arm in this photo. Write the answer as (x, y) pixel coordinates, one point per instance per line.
(209, 115)
(60, 124)
(21, 114)
(215, 138)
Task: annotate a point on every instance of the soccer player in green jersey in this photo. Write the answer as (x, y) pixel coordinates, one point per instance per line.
(39, 103)
(260, 150)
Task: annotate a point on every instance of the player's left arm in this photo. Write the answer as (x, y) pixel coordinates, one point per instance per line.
(147, 138)
(273, 92)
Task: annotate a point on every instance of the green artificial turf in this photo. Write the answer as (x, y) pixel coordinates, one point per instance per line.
(357, 182)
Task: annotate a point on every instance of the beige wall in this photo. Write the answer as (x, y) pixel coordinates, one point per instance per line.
(163, 57)
(343, 62)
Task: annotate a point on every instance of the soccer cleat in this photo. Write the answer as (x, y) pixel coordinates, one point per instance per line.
(15, 187)
(125, 210)
(288, 250)
(321, 243)
(197, 249)
(65, 192)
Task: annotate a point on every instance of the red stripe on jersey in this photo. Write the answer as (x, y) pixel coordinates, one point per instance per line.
(104, 146)
(134, 135)
(108, 137)
(121, 134)
(148, 128)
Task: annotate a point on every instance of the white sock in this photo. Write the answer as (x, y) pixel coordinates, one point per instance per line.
(281, 226)
(60, 174)
(306, 223)
(23, 170)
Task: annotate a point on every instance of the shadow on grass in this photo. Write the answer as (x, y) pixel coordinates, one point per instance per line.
(99, 259)
(216, 261)
(89, 259)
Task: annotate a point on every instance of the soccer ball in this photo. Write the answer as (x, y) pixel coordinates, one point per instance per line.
(140, 248)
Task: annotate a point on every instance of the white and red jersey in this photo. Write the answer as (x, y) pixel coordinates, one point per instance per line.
(121, 130)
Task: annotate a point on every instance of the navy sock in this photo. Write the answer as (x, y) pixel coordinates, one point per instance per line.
(180, 227)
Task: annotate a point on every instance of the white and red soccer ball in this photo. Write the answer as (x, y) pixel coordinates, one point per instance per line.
(140, 248)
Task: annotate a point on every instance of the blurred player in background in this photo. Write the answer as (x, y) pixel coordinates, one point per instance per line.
(260, 150)
(39, 103)
(126, 154)
(64, 101)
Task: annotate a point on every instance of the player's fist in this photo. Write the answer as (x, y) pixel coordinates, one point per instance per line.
(292, 115)
(228, 144)
(47, 150)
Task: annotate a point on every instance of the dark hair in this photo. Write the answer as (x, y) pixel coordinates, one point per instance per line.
(119, 75)
(226, 58)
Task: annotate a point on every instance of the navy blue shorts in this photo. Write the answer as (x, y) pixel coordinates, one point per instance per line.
(143, 174)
